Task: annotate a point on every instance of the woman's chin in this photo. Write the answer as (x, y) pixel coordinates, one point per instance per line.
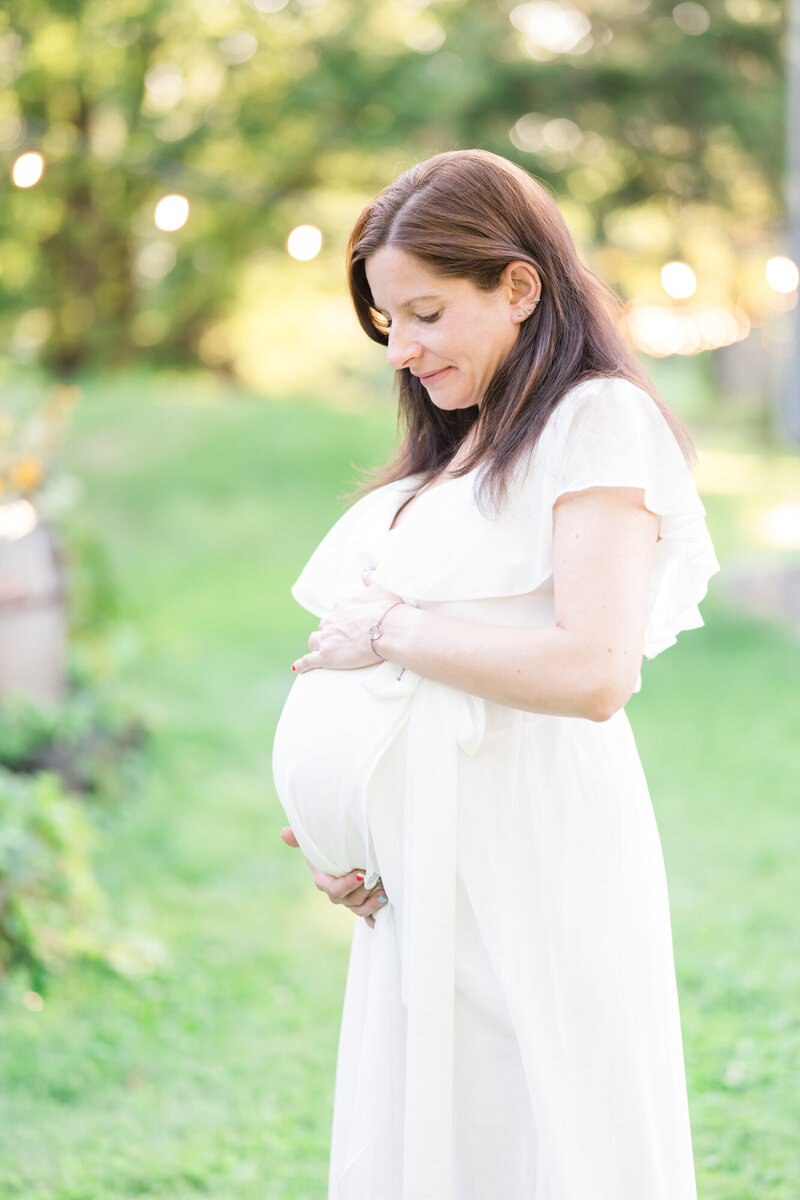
(449, 399)
(450, 403)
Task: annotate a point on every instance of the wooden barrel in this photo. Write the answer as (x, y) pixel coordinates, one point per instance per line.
(33, 619)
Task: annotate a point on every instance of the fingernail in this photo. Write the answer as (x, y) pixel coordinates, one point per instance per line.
(360, 878)
(383, 899)
(294, 668)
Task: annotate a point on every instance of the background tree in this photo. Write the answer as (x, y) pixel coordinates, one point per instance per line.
(658, 126)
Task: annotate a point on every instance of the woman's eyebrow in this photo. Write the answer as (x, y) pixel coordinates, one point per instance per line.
(414, 300)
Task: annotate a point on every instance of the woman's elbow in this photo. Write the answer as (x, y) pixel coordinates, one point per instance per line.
(608, 692)
(602, 707)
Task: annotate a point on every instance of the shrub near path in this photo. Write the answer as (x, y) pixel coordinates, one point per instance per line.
(211, 1075)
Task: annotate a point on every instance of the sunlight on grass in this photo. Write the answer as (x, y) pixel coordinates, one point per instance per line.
(213, 1076)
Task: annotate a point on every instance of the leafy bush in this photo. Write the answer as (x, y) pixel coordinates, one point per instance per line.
(94, 599)
(53, 758)
(49, 898)
(86, 738)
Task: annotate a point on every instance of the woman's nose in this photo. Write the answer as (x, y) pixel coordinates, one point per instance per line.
(401, 351)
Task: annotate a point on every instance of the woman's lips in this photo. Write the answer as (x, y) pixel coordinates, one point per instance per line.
(434, 377)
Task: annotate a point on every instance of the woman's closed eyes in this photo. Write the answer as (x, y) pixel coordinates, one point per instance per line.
(384, 322)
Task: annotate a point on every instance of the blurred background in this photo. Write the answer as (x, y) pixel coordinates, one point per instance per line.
(186, 396)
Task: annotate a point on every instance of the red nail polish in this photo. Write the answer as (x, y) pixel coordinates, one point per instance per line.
(360, 878)
(294, 668)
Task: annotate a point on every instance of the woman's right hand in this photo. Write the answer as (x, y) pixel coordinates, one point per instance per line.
(348, 890)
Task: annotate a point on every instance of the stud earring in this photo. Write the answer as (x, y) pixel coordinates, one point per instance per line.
(526, 312)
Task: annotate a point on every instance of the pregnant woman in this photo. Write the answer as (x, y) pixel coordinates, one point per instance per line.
(454, 757)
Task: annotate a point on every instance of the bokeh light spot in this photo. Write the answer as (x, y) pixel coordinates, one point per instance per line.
(238, 47)
(155, 260)
(165, 85)
(661, 331)
(551, 26)
(747, 12)
(171, 213)
(17, 519)
(782, 274)
(561, 134)
(425, 36)
(304, 242)
(527, 133)
(781, 526)
(28, 169)
(678, 280)
(691, 18)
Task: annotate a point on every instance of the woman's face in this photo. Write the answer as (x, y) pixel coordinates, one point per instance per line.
(448, 333)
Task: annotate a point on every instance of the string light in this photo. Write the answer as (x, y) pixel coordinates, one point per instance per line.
(17, 519)
(28, 169)
(655, 330)
(782, 274)
(678, 280)
(304, 242)
(171, 213)
(661, 331)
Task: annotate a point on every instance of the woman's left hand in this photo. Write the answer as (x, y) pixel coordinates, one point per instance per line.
(348, 890)
(342, 640)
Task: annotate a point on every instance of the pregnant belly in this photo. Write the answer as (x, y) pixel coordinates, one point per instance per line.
(328, 741)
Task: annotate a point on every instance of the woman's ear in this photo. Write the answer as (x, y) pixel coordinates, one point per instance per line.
(523, 289)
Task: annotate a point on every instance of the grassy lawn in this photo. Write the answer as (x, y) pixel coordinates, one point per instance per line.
(212, 1075)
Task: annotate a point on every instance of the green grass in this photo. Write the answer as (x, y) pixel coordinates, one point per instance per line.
(716, 726)
(212, 1076)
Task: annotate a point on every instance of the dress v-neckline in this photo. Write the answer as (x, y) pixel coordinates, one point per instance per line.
(412, 500)
(429, 487)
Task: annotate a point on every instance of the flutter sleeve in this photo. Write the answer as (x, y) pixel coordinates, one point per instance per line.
(611, 433)
(334, 569)
(332, 566)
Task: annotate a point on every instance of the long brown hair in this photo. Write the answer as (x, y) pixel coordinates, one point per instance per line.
(468, 214)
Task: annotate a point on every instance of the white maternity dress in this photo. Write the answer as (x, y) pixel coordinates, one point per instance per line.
(511, 1027)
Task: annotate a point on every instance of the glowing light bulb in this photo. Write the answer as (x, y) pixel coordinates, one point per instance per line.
(171, 213)
(782, 274)
(304, 242)
(678, 280)
(28, 169)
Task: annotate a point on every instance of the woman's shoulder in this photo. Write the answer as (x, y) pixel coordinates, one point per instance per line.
(609, 415)
(604, 398)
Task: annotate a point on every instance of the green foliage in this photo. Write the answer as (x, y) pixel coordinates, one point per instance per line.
(656, 127)
(93, 597)
(52, 758)
(48, 892)
(86, 738)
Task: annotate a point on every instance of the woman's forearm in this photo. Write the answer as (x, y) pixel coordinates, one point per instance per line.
(547, 669)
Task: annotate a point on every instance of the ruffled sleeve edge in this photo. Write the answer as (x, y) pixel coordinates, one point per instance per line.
(644, 455)
(306, 599)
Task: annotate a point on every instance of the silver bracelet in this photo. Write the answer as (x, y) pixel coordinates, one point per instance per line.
(375, 631)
